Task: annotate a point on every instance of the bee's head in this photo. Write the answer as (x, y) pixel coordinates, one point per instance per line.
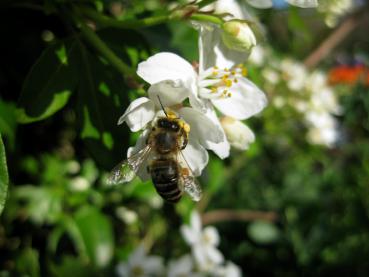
(168, 124)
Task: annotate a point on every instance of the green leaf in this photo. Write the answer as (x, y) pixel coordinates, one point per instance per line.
(4, 178)
(102, 97)
(263, 232)
(97, 234)
(49, 84)
(27, 262)
(8, 121)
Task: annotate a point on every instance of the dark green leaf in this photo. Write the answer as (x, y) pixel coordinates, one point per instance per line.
(97, 234)
(49, 84)
(102, 97)
(4, 178)
(8, 121)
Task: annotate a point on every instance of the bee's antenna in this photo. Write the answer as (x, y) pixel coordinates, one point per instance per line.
(161, 104)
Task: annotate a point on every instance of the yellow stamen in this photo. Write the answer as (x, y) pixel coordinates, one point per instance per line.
(214, 89)
(215, 67)
(229, 94)
(244, 72)
(215, 73)
(235, 80)
(233, 72)
(228, 83)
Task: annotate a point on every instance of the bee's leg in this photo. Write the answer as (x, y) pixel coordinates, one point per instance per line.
(185, 141)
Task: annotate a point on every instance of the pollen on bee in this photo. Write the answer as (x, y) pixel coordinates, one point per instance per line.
(185, 171)
(186, 128)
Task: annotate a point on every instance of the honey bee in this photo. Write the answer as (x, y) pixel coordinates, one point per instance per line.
(166, 164)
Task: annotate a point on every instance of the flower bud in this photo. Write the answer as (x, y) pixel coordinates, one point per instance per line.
(238, 134)
(237, 35)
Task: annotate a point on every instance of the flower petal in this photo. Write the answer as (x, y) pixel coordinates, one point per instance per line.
(222, 148)
(170, 92)
(261, 4)
(246, 100)
(195, 155)
(189, 235)
(166, 66)
(140, 112)
(202, 128)
(153, 265)
(214, 255)
(214, 52)
(212, 236)
(304, 3)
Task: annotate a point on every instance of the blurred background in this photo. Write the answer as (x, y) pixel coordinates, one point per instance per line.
(295, 204)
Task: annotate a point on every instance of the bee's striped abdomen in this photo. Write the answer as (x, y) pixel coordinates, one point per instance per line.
(164, 174)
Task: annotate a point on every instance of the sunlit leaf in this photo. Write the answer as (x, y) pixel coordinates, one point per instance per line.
(263, 232)
(4, 178)
(49, 84)
(97, 235)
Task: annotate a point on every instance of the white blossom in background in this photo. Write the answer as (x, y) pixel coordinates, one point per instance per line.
(183, 267)
(126, 215)
(228, 270)
(139, 264)
(203, 243)
(333, 10)
(306, 92)
(208, 259)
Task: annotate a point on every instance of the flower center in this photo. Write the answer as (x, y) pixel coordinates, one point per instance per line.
(218, 83)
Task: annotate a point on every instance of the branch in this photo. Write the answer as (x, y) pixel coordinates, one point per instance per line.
(335, 38)
(242, 215)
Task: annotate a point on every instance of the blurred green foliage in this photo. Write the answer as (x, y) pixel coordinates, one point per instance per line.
(60, 102)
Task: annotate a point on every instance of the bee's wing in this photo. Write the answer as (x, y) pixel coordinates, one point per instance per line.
(188, 182)
(126, 170)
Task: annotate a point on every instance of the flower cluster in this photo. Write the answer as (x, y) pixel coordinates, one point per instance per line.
(205, 259)
(212, 98)
(309, 94)
(335, 9)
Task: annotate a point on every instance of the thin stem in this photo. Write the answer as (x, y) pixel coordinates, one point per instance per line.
(106, 21)
(336, 37)
(240, 215)
(105, 51)
(206, 18)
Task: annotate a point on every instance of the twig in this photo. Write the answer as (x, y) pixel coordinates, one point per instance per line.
(241, 215)
(335, 38)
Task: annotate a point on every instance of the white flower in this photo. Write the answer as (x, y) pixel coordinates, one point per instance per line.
(182, 267)
(126, 215)
(227, 89)
(238, 134)
(79, 183)
(143, 112)
(323, 128)
(238, 35)
(203, 243)
(141, 265)
(294, 73)
(229, 270)
(304, 3)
